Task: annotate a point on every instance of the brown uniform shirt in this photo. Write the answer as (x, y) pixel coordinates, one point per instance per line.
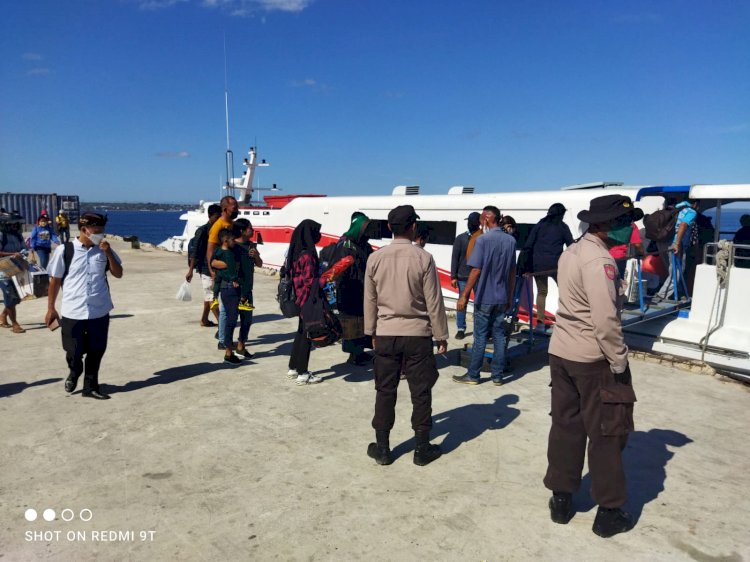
(588, 325)
(402, 293)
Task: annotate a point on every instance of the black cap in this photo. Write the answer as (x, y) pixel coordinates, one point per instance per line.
(92, 219)
(403, 215)
(609, 207)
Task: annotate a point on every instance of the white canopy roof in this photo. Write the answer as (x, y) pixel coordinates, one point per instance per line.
(727, 191)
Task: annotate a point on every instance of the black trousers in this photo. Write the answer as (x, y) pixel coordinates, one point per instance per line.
(415, 356)
(300, 357)
(85, 338)
(588, 404)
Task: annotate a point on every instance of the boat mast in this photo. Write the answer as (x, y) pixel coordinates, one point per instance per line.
(229, 155)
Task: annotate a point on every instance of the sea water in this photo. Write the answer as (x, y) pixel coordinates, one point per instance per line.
(149, 226)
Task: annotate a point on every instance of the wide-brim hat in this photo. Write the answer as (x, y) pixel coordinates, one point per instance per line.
(609, 207)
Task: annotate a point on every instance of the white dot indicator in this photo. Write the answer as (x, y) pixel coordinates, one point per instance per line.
(88, 514)
(49, 514)
(67, 514)
(30, 514)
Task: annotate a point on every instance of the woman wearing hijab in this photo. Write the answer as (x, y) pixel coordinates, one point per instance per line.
(302, 265)
(350, 290)
(545, 243)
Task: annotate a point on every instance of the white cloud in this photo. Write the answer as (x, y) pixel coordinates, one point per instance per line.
(171, 154)
(306, 83)
(32, 56)
(38, 72)
(233, 7)
(158, 4)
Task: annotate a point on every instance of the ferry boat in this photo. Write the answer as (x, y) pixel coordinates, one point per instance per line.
(707, 327)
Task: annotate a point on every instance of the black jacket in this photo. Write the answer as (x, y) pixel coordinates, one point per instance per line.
(350, 287)
(459, 269)
(545, 242)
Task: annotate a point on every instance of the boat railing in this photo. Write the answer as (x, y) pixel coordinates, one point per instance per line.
(739, 256)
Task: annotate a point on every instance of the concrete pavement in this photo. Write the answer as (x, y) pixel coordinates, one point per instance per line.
(192, 460)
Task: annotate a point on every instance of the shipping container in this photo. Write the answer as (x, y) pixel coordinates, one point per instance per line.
(30, 205)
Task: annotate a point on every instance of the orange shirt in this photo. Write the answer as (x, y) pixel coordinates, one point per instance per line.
(220, 224)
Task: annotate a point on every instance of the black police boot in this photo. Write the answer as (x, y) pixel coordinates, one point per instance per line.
(381, 450)
(561, 507)
(425, 452)
(610, 521)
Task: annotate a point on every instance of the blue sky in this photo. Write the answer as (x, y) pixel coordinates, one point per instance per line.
(123, 100)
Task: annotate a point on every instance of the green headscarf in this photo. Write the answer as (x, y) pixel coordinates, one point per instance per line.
(356, 228)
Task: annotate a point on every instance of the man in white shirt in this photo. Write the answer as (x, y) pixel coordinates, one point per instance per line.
(82, 266)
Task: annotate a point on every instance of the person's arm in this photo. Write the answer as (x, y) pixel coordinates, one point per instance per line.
(464, 298)
(115, 267)
(678, 237)
(255, 256)
(371, 302)
(602, 296)
(54, 289)
(567, 236)
(455, 260)
(433, 296)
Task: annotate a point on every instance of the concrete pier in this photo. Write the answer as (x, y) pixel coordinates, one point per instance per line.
(192, 460)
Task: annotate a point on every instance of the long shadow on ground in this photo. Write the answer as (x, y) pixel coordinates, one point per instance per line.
(168, 376)
(11, 388)
(461, 425)
(645, 459)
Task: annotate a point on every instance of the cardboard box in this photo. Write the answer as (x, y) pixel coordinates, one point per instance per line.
(11, 265)
(31, 284)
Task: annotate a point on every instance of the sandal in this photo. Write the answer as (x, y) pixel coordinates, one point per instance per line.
(16, 329)
(208, 324)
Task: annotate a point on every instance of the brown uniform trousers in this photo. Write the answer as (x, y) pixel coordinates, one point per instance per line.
(588, 404)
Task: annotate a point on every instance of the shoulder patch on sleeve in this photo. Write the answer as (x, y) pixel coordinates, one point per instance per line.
(610, 271)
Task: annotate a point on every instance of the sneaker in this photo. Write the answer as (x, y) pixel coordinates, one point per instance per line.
(465, 379)
(245, 307)
(540, 329)
(232, 360)
(244, 354)
(307, 378)
(214, 304)
(497, 381)
(292, 373)
(609, 522)
(221, 346)
(460, 335)
(561, 507)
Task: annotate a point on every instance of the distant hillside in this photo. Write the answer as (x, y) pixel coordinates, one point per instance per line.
(110, 206)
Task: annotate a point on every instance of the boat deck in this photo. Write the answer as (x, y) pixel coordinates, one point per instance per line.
(215, 463)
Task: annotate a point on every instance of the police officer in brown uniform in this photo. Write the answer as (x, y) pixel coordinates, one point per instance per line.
(592, 394)
(404, 310)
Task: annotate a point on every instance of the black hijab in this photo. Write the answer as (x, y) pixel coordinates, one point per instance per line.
(304, 238)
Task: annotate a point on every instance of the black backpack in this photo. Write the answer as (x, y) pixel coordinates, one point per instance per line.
(285, 295)
(198, 243)
(319, 323)
(660, 224)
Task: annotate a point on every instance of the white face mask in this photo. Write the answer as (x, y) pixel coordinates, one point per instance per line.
(96, 238)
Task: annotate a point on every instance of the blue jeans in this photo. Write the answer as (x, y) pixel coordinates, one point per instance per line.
(230, 298)
(246, 320)
(461, 314)
(488, 317)
(43, 255)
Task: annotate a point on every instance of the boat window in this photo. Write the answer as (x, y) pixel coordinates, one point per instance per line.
(245, 212)
(441, 232)
(266, 212)
(378, 230)
(256, 212)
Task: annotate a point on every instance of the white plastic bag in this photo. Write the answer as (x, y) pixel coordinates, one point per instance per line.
(184, 293)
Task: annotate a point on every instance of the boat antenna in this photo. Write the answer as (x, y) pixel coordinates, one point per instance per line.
(229, 156)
